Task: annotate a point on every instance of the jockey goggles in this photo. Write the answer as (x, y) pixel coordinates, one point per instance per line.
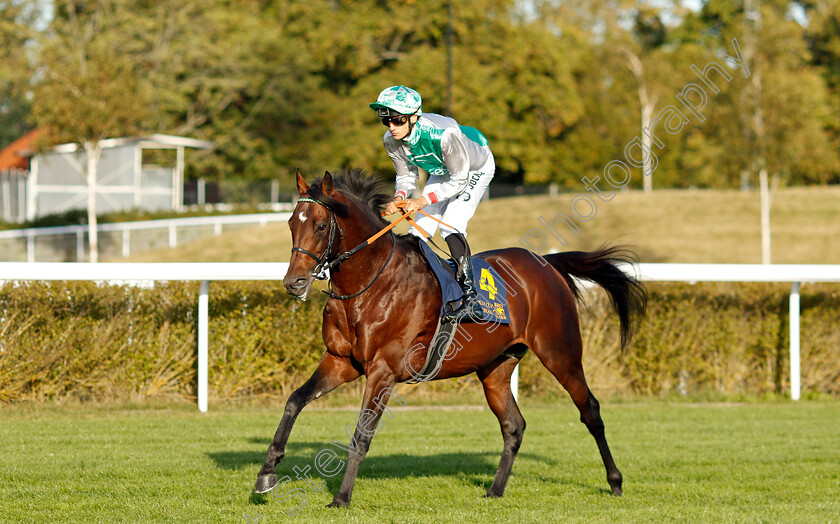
(396, 120)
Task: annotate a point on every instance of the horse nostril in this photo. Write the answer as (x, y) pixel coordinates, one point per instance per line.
(299, 282)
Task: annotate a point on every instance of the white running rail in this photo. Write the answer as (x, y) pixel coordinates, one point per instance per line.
(170, 225)
(796, 274)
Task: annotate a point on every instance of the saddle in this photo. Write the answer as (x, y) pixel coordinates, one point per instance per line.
(492, 298)
(491, 289)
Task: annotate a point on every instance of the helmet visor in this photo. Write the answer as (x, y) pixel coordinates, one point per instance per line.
(386, 112)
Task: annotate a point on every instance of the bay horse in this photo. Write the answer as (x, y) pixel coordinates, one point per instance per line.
(385, 300)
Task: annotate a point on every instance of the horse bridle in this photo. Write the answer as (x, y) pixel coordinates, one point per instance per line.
(323, 262)
(327, 261)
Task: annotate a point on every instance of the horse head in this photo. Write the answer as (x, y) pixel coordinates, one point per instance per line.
(316, 236)
(335, 218)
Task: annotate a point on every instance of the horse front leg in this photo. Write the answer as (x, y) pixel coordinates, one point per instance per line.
(331, 373)
(379, 389)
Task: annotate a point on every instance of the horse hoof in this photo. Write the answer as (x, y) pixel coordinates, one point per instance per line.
(616, 491)
(265, 483)
(492, 495)
(338, 504)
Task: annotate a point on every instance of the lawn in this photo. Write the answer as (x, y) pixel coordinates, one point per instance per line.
(775, 461)
(668, 225)
(682, 462)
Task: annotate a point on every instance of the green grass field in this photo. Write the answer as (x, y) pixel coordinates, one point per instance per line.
(773, 461)
(706, 226)
(682, 462)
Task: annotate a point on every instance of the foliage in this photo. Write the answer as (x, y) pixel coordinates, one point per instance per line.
(90, 88)
(65, 340)
(791, 95)
(718, 340)
(278, 85)
(16, 21)
(71, 340)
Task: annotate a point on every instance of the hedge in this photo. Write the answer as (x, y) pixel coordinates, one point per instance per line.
(81, 341)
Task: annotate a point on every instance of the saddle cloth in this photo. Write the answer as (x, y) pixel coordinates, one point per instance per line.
(491, 289)
(492, 297)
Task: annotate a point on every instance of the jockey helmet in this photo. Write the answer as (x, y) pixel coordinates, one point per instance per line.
(398, 100)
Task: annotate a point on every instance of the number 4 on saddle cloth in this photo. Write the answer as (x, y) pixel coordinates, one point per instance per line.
(492, 292)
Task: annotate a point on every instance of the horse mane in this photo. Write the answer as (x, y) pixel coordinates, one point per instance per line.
(367, 190)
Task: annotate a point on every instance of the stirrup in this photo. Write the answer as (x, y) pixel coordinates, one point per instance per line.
(469, 307)
(464, 277)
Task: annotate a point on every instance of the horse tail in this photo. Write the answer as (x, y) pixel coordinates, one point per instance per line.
(602, 266)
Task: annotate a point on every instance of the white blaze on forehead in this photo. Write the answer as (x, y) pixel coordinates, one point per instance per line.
(302, 217)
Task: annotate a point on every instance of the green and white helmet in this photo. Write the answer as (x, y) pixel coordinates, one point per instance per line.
(398, 100)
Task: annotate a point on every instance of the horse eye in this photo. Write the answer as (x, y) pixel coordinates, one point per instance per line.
(321, 227)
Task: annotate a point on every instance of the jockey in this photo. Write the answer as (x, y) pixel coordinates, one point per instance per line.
(460, 166)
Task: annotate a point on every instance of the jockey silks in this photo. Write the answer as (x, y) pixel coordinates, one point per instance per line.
(443, 148)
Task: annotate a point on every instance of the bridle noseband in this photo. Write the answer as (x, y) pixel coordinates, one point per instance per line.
(327, 260)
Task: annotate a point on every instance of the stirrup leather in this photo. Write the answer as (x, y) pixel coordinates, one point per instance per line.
(465, 280)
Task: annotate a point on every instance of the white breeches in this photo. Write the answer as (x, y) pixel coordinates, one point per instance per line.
(458, 210)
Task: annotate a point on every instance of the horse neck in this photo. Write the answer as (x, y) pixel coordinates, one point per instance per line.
(355, 272)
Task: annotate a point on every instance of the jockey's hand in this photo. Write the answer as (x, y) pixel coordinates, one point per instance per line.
(393, 206)
(413, 204)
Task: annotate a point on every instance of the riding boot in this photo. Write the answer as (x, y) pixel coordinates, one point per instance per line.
(469, 305)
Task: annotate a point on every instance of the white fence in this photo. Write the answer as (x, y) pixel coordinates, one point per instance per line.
(170, 225)
(796, 274)
(207, 272)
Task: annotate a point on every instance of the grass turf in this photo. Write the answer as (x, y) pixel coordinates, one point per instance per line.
(767, 462)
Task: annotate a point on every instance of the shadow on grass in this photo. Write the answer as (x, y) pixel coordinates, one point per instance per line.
(477, 468)
(235, 460)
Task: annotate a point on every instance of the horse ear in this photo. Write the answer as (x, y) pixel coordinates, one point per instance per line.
(327, 185)
(302, 188)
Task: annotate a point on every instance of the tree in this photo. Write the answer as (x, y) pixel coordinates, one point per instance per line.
(236, 73)
(517, 79)
(648, 37)
(559, 87)
(512, 79)
(631, 65)
(823, 38)
(16, 34)
(89, 89)
(782, 107)
(207, 69)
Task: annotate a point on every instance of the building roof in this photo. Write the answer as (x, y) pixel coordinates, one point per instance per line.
(16, 154)
(156, 141)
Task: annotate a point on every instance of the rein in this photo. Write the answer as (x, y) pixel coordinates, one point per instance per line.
(325, 263)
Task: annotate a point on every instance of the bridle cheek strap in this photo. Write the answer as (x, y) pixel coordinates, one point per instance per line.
(327, 261)
(323, 263)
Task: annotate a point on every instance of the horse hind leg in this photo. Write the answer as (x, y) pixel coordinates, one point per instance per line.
(590, 414)
(495, 378)
(565, 365)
